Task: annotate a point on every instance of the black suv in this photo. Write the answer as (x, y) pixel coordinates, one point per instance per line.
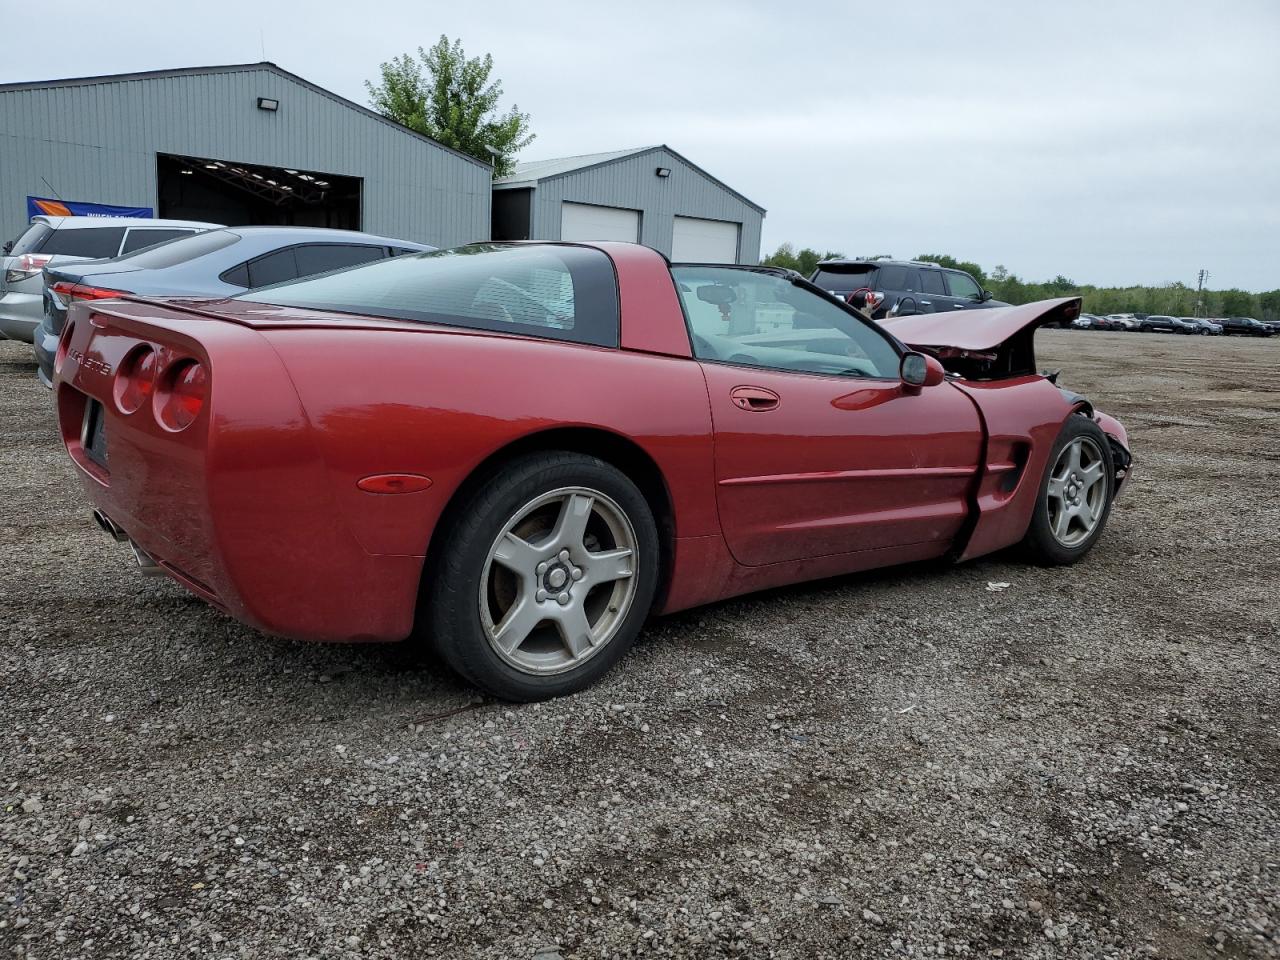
(1245, 327)
(1155, 322)
(912, 286)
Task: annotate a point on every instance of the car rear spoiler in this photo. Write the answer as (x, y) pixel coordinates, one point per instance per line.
(989, 344)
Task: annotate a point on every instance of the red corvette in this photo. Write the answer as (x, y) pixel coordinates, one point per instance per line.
(523, 450)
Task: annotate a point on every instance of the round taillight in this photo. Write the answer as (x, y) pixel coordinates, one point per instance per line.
(181, 395)
(135, 380)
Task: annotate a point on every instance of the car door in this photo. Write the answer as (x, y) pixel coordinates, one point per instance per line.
(820, 449)
(934, 296)
(964, 290)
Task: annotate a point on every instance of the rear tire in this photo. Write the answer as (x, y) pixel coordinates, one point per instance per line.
(544, 578)
(1074, 500)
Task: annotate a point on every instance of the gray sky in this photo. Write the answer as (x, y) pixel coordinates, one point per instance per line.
(1113, 142)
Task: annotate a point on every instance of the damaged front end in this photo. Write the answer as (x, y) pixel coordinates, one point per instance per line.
(989, 346)
(992, 344)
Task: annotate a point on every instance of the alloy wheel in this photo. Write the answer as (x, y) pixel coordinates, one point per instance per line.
(1077, 492)
(559, 580)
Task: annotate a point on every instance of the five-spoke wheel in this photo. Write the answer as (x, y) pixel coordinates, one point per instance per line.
(544, 575)
(1075, 494)
(559, 580)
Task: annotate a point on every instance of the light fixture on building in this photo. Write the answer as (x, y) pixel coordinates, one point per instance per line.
(664, 171)
(266, 103)
(187, 172)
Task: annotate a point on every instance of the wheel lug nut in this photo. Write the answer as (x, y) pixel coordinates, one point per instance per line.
(577, 573)
(563, 598)
(542, 568)
(540, 595)
(564, 556)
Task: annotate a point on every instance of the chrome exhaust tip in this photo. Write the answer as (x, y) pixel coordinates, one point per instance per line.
(146, 564)
(110, 526)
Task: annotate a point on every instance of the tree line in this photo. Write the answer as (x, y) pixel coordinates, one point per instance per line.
(1172, 299)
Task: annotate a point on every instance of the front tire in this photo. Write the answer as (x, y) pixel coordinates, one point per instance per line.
(1074, 501)
(545, 577)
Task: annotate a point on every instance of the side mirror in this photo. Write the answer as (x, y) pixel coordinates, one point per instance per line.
(8, 245)
(986, 295)
(921, 370)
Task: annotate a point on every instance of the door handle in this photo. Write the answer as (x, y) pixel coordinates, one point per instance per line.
(754, 398)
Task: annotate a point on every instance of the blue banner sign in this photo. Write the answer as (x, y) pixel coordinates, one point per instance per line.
(76, 208)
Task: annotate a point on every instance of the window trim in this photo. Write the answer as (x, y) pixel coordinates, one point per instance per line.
(896, 345)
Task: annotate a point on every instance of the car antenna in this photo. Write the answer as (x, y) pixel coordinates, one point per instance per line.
(51, 190)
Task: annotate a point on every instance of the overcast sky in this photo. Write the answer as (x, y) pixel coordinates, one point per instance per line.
(1113, 142)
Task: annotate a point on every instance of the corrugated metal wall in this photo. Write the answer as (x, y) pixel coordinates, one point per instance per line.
(634, 184)
(98, 142)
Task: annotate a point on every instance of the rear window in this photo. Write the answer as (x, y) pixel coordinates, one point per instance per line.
(138, 239)
(843, 280)
(561, 293)
(93, 242)
(182, 249)
(29, 240)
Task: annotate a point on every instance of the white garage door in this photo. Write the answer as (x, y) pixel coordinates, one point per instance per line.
(586, 221)
(704, 241)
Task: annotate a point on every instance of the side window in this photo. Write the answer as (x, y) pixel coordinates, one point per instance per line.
(758, 319)
(963, 285)
(932, 281)
(895, 277)
(273, 268)
(321, 257)
(236, 276)
(93, 242)
(137, 239)
(558, 293)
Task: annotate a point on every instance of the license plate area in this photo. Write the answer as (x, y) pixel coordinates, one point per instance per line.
(93, 437)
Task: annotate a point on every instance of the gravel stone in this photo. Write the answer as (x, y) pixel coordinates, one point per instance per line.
(901, 764)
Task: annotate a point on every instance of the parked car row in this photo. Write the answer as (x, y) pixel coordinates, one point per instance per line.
(59, 260)
(1160, 323)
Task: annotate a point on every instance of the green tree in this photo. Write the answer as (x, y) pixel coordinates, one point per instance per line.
(447, 96)
(804, 262)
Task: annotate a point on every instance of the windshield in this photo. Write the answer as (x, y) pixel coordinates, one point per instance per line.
(564, 293)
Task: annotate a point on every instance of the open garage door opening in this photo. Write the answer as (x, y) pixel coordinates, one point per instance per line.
(239, 194)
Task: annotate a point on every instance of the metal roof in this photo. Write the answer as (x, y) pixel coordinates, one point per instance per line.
(531, 173)
(537, 170)
(235, 68)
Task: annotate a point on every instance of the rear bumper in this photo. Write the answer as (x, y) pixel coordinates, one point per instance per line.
(20, 314)
(239, 507)
(45, 344)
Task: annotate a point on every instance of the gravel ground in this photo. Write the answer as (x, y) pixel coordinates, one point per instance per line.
(1082, 764)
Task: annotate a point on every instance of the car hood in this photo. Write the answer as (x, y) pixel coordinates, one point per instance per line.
(979, 330)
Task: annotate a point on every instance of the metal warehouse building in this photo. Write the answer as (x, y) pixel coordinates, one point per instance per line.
(649, 194)
(249, 143)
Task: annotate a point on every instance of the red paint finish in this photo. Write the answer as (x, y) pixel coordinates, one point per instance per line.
(815, 476)
(302, 491)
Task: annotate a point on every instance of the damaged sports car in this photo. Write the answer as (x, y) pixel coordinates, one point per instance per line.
(522, 451)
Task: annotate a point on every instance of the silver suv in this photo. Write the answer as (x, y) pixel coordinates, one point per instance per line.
(57, 240)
